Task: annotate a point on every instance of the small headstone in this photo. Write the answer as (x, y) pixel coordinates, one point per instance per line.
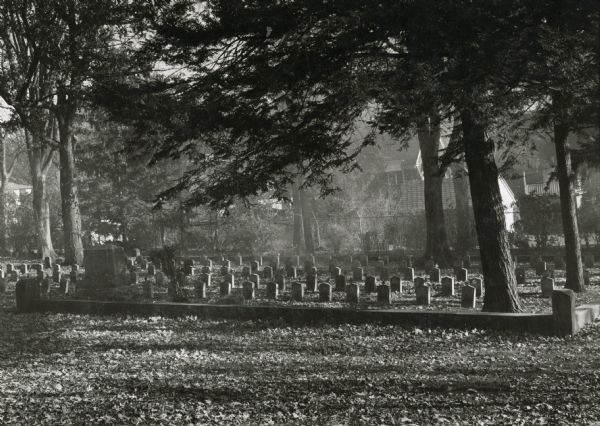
(200, 288)
(2, 285)
(160, 278)
(520, 275)
(324, 292)
(434, 275)
(240, 261)
(563, 312)
(254, 265)
(255, 278)
(423, 295)
(133, 277)
(352, 293)
(39, 271)
(340, 283)
(384, 295)
(151, 269)
(469, 297)
(47, 262)
(396, 284)
(311, 282)
(268, 273)
(23, 268)
(419, 282)
(248, 290)
(409, 274)
(297, 292)
(448, 286)
(462, 275)
(280, 280)
(313, 271)
(225, 288)
(272, 290)
(547, 285)
(9, 268)
(589, 261)
(357, 274)
(73, 276)
(148, 290)
(144, 264)
(478, 284)
(370, 286)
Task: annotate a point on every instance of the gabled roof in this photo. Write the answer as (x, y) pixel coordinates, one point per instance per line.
(6, 111)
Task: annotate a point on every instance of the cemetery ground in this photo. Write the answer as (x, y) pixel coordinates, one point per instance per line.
(72, 369)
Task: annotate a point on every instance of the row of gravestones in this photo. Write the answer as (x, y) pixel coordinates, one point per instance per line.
(384, 291)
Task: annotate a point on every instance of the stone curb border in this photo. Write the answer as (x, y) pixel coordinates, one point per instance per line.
(564, 320)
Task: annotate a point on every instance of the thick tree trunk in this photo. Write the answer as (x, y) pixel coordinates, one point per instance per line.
(436, 247)
(71, 216)
(498, 273)
(309, 244)
(41, 211)
(464, 240)
(298, 238)
(568, 207)
(40, 158)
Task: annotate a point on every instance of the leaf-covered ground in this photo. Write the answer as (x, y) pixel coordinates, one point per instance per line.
(66, 369)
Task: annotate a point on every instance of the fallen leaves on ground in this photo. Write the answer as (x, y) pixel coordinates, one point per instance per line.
(72, 370)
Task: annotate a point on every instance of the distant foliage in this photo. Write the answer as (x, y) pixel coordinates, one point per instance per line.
(540, 217)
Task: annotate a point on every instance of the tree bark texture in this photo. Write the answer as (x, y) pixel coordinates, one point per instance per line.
(496, 262)
(40, 159)
(567, 180)
(436, 247)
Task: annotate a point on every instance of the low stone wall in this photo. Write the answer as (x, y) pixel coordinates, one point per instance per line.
(566, 319)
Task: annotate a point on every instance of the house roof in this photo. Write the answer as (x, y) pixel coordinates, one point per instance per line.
(6, 111)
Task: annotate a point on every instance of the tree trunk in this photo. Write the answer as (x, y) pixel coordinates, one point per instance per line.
(436, 247)
(40, 159)
(3, 181)
(298, 238)
(309, 244)
(71, 216)
(568, 205)
(464, 241)
(41, 211)
(498, 273)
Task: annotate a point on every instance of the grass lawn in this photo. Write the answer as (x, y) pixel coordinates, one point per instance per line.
(66, 369)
